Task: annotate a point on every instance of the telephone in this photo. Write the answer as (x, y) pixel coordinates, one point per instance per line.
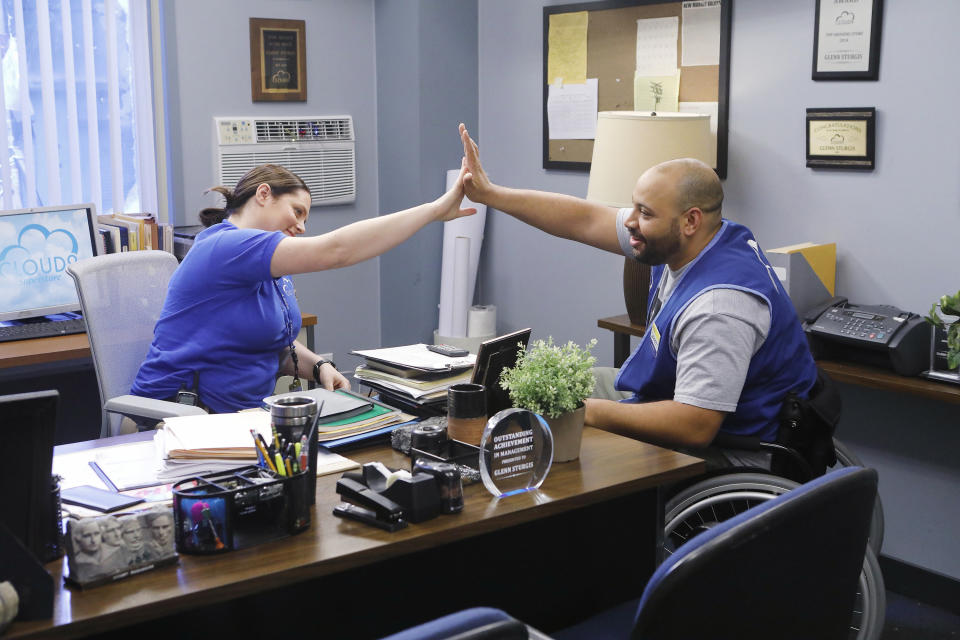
(879, 335)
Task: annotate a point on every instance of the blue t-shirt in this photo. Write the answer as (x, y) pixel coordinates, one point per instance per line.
(225, 319)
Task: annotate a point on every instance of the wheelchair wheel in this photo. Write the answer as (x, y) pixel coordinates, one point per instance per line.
(846, 458)
(718, 498)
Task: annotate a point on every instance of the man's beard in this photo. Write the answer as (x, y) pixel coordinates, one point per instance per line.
(658, 251)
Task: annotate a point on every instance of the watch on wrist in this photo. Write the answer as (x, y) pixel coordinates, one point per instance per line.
(316, 368)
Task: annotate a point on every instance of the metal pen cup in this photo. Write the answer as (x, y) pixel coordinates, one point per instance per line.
(294, 417)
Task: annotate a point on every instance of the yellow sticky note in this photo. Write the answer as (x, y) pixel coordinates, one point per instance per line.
(656, 93)
(567, 51)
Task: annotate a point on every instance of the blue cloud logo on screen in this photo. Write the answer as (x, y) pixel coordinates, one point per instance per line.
(39, 252)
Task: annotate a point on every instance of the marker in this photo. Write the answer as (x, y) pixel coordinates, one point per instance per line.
(280, 468)
(303, 448)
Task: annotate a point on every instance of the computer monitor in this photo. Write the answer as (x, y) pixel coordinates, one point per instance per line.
(36, 245)
(27, 425)
(494, 356)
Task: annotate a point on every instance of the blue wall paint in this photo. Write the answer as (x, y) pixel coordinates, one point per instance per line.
(426, 84)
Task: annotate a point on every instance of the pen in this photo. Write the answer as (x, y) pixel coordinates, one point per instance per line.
(100, 474)
(263, 442)
(261, 450)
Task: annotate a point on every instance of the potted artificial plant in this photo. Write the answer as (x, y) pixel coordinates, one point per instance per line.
(949, 306)
(554, 380)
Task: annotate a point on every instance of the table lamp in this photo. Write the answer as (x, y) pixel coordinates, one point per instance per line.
(627, 144)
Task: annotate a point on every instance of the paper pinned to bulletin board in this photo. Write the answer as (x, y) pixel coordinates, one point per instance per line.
(644, 55)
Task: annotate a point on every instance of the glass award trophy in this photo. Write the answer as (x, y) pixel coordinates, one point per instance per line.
(516, 451)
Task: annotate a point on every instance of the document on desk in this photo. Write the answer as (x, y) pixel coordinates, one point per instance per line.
(220, 435)
(417, 356)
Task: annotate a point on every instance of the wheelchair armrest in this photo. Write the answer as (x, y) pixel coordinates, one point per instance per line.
(753, 443)
(802, 466)
(130, 405)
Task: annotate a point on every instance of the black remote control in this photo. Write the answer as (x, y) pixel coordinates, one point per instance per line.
(447, 350)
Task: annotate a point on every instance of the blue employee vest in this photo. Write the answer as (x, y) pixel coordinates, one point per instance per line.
(732, 260)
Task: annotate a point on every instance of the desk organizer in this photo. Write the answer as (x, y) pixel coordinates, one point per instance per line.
(240, 508)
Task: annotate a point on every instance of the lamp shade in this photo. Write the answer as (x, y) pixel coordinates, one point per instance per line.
(630, 142)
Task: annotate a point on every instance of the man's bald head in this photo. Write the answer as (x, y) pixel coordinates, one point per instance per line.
(695, 184)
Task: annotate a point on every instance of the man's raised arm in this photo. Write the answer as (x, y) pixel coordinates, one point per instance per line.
(557, 214)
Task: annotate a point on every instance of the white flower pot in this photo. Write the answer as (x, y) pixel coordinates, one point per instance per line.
(567, 432)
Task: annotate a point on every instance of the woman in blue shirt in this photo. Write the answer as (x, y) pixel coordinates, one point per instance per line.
(230, 320)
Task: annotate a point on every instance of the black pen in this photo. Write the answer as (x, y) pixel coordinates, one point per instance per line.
(100, 474)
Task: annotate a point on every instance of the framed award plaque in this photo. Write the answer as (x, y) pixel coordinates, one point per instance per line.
(278, 60)
(841, 138)
(846, 39)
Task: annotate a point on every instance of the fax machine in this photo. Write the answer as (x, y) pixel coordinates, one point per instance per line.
(879, 335)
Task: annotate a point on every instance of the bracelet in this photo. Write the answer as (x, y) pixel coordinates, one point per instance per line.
(316, 368)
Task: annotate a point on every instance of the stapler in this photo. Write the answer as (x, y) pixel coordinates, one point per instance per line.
(363, 504)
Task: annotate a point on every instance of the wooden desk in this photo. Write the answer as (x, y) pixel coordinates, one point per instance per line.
(862, 375)
(591, 530)
(74, 347)
(873, 377)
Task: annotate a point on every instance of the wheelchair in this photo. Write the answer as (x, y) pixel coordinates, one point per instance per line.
(707, 501)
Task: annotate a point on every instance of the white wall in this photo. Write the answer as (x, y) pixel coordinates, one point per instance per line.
(208, 56)
(896, 227)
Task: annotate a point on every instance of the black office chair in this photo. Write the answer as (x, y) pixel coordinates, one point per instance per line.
(786, 568)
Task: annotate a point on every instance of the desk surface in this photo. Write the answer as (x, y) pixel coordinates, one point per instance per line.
(609, 467)
(19, 353)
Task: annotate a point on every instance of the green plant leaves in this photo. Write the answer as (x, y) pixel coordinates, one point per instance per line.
(551, 379)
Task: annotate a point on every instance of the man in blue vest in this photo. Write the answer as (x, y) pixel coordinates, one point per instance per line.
(723, 345)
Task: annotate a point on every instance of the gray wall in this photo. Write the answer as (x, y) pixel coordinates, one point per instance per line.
(208, 54)
(896, 227)
(426, 85)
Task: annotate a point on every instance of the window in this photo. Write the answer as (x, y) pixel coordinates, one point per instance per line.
(77, 118)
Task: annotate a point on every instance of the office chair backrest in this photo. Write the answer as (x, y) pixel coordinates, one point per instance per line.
(787, 568)
(121, 296)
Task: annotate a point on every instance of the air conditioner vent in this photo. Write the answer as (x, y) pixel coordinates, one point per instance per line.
(322, 151)
(310, 129)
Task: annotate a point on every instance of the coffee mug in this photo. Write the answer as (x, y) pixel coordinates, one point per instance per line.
(466, 412)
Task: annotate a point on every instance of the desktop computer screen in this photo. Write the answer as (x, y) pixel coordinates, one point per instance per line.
(36, 245)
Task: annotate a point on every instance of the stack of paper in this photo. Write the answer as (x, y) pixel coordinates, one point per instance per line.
(412, 375)
(416, 387)
(378, 417)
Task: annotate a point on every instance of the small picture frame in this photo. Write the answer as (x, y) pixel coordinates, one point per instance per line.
(278, 60)
(846, 40)
(841, 138)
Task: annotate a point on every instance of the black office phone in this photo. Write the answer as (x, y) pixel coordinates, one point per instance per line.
(881, 335)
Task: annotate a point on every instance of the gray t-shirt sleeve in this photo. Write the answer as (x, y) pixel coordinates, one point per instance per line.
(714, 339)
(622, 234)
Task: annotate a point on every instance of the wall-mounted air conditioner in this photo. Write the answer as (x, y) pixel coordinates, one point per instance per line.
(320, 150)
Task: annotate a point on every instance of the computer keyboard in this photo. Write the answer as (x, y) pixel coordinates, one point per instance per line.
(42, 329)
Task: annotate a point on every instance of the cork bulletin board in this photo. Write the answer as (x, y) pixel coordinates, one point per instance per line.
(614, 55)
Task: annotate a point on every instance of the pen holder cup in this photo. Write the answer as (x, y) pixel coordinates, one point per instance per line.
(238, 509)
(295, 417)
